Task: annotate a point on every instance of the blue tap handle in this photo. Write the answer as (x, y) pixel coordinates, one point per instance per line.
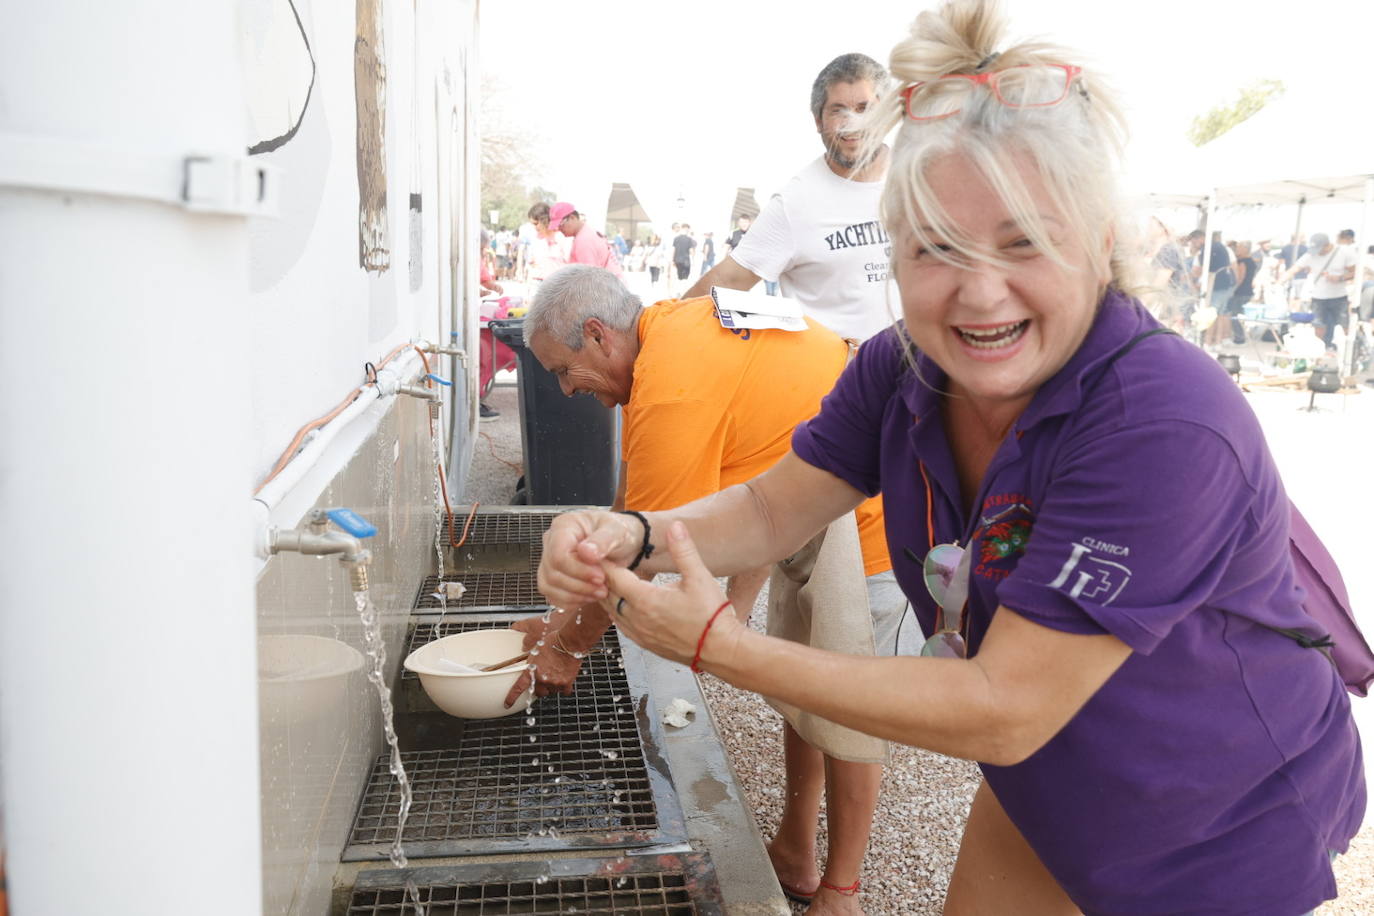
(352, 522)
(441, 381)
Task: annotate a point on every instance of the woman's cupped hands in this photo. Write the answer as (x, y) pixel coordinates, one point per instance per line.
(578, 547)
(672, 620)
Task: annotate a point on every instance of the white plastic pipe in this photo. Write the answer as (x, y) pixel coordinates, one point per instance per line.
(285, 498)
(128, 677)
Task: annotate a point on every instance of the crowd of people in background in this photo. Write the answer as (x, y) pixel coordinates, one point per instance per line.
(1248, 282)
(536, 248)
(1305, 279)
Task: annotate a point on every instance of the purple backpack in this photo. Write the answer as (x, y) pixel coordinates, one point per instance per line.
(1327, 603)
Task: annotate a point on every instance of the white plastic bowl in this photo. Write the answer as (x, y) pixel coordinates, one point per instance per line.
(479, 695)
(300, 677)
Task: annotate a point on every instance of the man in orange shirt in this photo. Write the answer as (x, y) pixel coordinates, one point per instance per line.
(706, 407)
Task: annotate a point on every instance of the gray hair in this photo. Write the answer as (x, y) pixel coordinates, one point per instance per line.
(847, 68)
(575, 293)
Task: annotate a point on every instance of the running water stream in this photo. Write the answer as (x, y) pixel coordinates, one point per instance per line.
(436, 429)
(376, 653)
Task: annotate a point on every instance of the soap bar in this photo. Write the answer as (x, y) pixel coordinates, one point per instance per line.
(677, 712)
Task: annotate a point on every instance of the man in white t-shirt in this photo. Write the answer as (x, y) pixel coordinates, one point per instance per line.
(1332, 266)
(820, 237)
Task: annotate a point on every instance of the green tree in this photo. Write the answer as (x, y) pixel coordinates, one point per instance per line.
(1207, 127)
(507, 163)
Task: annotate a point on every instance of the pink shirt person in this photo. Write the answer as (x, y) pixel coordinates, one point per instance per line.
(588, 245)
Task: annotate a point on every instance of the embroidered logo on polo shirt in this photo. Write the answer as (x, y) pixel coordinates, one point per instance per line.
(1004, 528)
(1090, 575)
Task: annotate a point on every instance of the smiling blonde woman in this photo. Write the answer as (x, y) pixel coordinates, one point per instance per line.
(1082, 509)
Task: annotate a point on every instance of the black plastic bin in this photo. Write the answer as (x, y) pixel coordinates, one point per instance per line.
(571, 445)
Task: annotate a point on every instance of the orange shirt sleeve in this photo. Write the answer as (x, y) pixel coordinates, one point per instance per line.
(673, 452)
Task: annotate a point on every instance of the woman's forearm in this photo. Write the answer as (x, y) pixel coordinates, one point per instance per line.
(943, 705)
(755, 524)
(998, 707)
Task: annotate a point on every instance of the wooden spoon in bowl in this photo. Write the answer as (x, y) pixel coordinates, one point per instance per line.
(510, 661)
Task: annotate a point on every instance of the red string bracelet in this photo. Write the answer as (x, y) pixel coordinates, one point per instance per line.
(846, 891)
(696, 659)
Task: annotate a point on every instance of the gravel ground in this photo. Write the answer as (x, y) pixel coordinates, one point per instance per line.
(491, 480)
(925, 796)
(920, 816)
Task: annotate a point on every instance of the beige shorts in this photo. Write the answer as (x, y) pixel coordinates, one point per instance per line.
(820, 597)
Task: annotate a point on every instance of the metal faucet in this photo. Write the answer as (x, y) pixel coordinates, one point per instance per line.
(419, 391)
(319, 541)
(450, 349)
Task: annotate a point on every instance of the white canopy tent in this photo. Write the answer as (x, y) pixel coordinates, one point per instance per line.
(1298, 151)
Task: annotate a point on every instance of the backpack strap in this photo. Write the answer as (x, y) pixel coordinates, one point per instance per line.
(1323, 642)
(1131, 345)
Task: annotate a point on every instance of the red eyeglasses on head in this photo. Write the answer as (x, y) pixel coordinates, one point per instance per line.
(1029, 86)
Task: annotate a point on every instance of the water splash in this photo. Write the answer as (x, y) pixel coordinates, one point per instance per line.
(413, 893)
(436, 429)
(376, 653)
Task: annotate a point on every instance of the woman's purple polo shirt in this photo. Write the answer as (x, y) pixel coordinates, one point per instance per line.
(1213, 772)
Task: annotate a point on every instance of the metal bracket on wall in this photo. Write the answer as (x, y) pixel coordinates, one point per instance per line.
(203, 183)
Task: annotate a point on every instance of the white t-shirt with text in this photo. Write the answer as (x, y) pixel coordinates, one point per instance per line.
(819, 238)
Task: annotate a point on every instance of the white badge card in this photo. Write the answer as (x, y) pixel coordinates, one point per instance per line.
(756, 311)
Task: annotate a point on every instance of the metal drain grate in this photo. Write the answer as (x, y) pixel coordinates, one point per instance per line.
(673, 884)
(498, 562)
(585, 780)
(486, 591)
(500, 527)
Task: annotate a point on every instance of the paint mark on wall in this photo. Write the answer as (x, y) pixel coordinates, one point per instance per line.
(279, 72)
(369, 87)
